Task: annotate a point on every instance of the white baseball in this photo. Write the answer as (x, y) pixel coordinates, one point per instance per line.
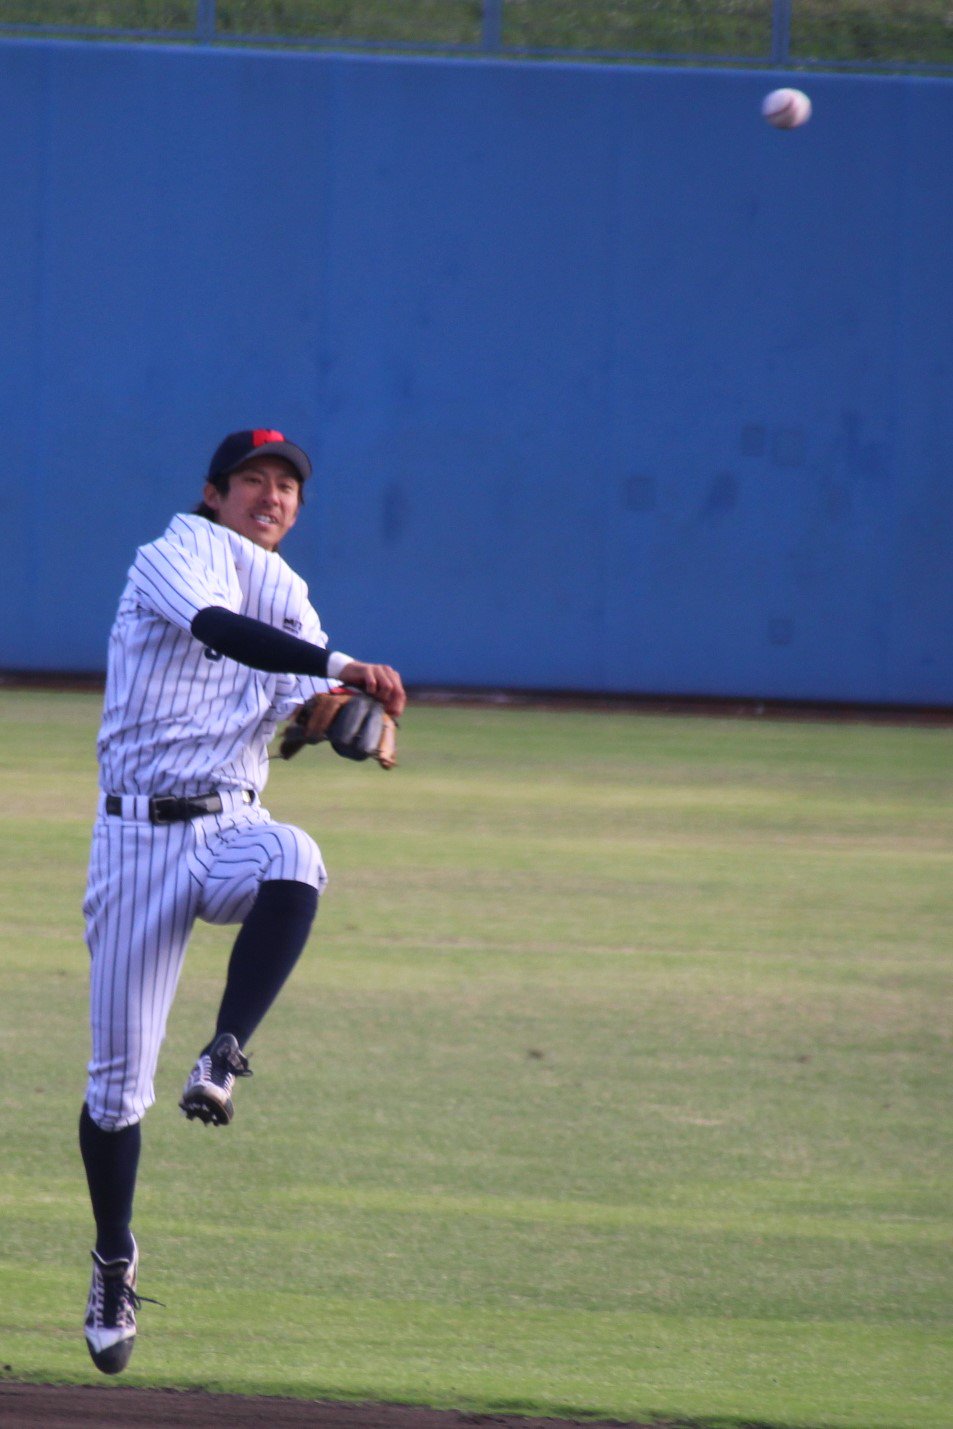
(786, 108)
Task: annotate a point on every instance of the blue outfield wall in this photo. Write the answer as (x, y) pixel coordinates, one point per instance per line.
(609, 385)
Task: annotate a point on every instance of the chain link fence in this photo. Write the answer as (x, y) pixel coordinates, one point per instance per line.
(836, 34)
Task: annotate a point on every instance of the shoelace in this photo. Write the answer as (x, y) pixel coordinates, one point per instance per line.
(221, 1068)
(235, 1065)
(114, 1300)
(127, 1296)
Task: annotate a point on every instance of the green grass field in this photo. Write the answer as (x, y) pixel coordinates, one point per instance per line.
(615, 1082)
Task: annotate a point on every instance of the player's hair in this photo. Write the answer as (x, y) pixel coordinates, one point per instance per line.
(221, 484)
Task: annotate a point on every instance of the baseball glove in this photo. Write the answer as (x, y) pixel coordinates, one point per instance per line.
(355, 726)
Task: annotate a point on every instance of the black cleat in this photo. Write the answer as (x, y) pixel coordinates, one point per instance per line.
(110, 1324)
(207, 1095)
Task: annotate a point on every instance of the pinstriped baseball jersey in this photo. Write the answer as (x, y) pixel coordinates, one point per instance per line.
(178, 718)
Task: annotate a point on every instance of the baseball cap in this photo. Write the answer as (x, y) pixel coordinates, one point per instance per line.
(240, 447)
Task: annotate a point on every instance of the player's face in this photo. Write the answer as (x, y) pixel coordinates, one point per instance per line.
(261, 502)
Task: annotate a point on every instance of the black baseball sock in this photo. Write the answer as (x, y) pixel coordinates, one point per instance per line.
(270, 942)
(111, 1159)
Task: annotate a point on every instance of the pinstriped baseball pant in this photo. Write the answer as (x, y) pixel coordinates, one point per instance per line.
(147, 885)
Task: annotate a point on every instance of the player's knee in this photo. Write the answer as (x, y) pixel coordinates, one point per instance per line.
(114, 1118)
(118, 1098)
(296, 859)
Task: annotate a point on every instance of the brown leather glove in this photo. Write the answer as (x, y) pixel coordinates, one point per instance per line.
(355, 726)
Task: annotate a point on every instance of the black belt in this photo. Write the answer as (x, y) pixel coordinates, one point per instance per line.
(173, 809)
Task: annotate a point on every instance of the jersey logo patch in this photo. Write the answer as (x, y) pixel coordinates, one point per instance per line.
(291, 624)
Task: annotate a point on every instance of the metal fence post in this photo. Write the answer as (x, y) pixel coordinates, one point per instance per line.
(205, 21)
(492, 24)
(781, 32)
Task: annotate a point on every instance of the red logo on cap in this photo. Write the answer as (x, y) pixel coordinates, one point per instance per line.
(260, 437)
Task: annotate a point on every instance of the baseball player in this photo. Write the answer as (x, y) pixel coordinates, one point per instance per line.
(214, 643)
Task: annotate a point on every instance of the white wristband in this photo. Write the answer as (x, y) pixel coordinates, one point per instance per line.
(336, 662)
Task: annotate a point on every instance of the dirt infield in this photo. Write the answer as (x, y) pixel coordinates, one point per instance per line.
(65, 1406)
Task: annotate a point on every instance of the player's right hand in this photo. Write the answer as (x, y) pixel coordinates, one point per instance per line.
(381, 681)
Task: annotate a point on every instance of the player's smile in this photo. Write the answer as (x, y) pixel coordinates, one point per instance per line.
(261, 502)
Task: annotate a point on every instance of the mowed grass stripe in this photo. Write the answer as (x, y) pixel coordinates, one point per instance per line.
(695, 1222)
(742, 1221)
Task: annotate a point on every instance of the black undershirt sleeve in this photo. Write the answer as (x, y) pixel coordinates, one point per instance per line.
(260, 646)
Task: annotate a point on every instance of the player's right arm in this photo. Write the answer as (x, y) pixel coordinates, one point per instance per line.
(263, 647)
(194, 588)
(381, 681)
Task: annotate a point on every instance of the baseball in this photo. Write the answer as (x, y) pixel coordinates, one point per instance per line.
(786, 108)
